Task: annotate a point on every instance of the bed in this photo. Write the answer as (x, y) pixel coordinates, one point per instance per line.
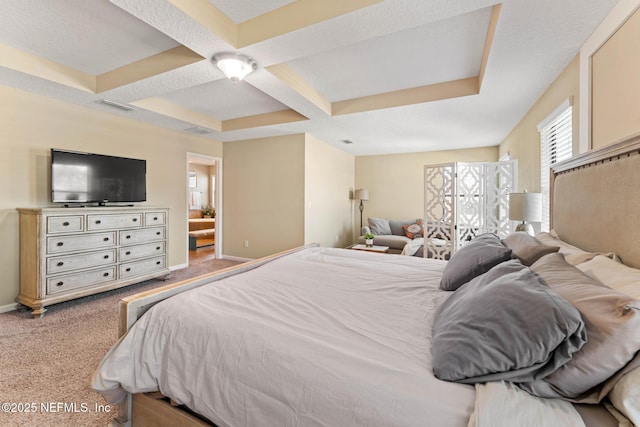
(329, 337)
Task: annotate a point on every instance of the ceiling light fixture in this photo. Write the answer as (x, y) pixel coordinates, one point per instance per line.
(235, 66)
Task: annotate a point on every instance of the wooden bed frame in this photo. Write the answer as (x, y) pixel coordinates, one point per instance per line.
(609, 179)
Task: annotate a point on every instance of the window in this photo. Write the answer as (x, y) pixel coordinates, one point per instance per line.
(556, 145)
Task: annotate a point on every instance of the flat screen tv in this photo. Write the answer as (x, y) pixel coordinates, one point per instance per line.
(78, 177)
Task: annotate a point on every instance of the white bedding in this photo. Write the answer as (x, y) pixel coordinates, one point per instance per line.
(322, 337)
(502, 404)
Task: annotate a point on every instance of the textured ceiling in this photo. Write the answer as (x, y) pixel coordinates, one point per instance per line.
(393, 76)
(240, 11)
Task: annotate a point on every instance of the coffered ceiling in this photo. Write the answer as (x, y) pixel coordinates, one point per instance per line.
(391, 76)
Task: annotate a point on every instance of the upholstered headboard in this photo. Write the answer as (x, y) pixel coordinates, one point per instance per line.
(595, 200)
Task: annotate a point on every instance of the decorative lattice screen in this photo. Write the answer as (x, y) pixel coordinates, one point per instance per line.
(464, 200)
(439, 183)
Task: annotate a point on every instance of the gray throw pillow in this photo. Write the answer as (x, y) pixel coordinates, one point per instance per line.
(473, 259)
(396, 225)
(379, 226)
(612, 321)
(504, 325)
(527, 248)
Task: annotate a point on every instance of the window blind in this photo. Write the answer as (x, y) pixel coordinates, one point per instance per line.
(556, 145)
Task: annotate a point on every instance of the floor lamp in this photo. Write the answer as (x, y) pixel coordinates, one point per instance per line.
(362, 195)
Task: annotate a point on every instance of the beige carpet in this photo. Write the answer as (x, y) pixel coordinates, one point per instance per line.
(46, 364)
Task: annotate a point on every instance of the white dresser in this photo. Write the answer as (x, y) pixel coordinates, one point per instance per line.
(67, 253)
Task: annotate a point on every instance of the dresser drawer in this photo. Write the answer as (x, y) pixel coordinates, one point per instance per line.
(130, 237)
(59, 244)
(155, 218)
(138, 268)
(141, 251)
(60, 264)
(84, 279)
(64, 224)
(108, 222)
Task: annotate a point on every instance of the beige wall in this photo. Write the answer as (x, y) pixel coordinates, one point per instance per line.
(30, 125)
(523, 142)
(263, 191)
(329, 179)
(396, 181)
(615, 112)
(615, 85)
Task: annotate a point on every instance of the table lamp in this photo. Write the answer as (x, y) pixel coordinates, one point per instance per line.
(525, 207)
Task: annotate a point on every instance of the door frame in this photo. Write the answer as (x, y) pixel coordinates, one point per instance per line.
(218, 199)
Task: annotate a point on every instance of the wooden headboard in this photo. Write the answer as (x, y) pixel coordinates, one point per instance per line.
(595, 200)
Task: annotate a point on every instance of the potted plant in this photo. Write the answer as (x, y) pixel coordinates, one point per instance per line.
(368, 239)
(208, 212)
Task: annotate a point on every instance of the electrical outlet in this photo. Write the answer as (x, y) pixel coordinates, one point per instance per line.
(246, 243)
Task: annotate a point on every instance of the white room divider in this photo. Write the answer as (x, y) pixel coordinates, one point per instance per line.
(464, 200)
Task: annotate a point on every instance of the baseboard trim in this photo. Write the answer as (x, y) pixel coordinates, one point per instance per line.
(8, 307)
(178, 267)
(236, 258)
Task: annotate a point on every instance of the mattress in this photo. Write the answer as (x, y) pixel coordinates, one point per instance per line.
(321, 337)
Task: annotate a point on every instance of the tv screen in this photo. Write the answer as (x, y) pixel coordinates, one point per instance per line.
(88, 178)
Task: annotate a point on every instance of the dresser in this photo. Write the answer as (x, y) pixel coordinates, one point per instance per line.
(67, 253)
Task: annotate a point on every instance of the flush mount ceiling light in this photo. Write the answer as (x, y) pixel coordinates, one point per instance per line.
(235, 66)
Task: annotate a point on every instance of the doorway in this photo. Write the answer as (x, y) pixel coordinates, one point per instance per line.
(204, 208)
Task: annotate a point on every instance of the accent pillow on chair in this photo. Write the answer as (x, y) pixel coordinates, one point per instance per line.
(414, 230)
(396, 225)
(379, 226)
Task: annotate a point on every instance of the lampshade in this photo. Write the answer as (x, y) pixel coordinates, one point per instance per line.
(235, 66)
(361, 194)
(525, 207)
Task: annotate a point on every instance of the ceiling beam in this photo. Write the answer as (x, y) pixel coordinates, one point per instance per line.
(415, 95)
(166, 108)
(294, 16)
(491, 31)
(46, 69)
(298, 84)
(210, 17)
(156, 64)
(259, 120)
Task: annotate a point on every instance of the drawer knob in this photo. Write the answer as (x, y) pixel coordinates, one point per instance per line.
(105, 274)
(128, 237)
(155, 218)
(157, 248)
(106, 239)
(157, 233)
(66, 223)
(128, 253)
(157, 262)
(128, 269)
(60, 244)
(60, 264)
(106, 257)
(98, 221)
(135, 219)
(59, 283)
